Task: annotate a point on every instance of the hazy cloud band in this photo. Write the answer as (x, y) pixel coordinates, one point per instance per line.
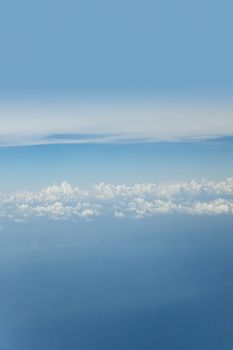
(106, 122)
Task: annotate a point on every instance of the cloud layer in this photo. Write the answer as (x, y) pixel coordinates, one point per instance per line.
(112, 122)
(65, 201)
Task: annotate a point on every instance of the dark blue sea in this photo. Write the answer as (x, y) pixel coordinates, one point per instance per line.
(160, 283)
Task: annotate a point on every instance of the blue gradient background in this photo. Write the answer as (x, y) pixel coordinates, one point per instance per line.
(160, 283)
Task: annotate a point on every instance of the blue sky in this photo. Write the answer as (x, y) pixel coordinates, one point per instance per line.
(31, 168)
(163, 47)
(152, 70)
(122, 93)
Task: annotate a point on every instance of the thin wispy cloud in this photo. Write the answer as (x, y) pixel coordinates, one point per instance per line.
(106, 122)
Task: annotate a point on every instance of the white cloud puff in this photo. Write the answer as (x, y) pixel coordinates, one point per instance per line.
(65, 201)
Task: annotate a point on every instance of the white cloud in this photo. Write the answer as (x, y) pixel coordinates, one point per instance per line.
(139, 200)
(119, 214)
(193, 188)
(215, 207)
(141, 207)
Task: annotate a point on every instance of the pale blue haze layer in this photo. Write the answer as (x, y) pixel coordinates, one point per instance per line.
(25, 168)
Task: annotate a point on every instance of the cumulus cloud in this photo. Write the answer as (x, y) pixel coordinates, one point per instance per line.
(119, 214)
(65, 201)
(215, 207)
(192, 188)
